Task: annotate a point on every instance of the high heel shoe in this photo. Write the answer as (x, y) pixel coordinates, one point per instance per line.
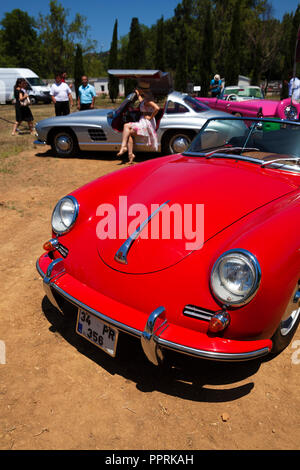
(131, 158)
(122, 150)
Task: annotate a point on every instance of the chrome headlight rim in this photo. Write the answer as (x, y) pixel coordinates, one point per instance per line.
(74, 217)
(290, 112)
(251, 259)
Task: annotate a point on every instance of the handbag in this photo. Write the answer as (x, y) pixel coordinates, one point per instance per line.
(25, 102)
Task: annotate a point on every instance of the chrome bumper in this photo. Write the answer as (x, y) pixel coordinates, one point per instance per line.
(152, 344)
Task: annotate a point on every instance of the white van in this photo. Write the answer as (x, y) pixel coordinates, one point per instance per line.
(37, 89)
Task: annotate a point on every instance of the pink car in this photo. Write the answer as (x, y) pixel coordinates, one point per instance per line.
(284, 109)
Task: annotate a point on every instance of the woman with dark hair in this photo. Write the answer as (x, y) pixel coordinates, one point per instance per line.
(145, 127)
(23, 113)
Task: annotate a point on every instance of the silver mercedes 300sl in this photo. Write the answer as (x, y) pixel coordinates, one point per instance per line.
(178, 121)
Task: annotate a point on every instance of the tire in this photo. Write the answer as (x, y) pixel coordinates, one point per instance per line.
(177, 141)
(33, 100)
(289, 323)
(64, 143)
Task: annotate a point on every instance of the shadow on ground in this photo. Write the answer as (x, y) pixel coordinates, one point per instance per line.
(182, 376)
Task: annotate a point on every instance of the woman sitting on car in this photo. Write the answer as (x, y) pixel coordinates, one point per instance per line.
(145, 126)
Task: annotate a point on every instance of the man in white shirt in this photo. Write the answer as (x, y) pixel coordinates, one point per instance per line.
(294, 88)
(61, 96)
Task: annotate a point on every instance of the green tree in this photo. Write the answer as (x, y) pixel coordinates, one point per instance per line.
(135, 57)
(78, 68)
(232, 69)
(113, 82)
(207, 52)
(59, 37)
(160, 59)
(20, 45)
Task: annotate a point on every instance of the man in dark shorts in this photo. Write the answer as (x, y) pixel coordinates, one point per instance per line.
(61, 96)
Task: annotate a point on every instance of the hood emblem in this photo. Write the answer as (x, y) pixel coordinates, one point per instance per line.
(121, 255)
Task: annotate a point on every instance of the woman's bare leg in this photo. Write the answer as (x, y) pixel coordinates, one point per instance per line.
(16, 124)
(125, 137)
(130, 149)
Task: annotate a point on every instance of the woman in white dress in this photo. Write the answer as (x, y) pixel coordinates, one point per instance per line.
(145, 126)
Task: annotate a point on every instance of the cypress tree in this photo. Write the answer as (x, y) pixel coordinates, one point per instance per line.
(113, 82)
(206, 67)
(78, 68)
(232, 65)
(135, 52)
(160, 46)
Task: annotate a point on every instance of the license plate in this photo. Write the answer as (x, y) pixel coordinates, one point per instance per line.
(97, 332)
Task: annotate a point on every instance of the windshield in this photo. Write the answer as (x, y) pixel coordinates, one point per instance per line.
(261, 141)
(195, 105)
(247, 92)
(35, 81)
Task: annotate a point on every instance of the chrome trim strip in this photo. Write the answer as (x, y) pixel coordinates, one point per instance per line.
(121, 255)
(40, 142)
(216, 356)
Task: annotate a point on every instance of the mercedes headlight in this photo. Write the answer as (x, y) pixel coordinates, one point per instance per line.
(235, 277)
(64, 215)
(290, 112)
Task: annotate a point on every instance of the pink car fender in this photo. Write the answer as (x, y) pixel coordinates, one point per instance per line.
(284, 104)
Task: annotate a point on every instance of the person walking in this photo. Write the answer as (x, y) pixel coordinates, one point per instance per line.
(61, 96)
(23, 112)
(86, 95)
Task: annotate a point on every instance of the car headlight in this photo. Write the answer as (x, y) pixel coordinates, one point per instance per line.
(290, 113)
(64, 215)
(235, 277)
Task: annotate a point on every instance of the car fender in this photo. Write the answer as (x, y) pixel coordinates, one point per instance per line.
(282, 106)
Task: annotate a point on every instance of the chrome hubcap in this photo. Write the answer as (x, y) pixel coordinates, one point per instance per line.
(63, 143)
(180, 144)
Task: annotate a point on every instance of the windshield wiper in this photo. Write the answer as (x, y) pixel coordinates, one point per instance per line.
(297, 159)
(230, 149)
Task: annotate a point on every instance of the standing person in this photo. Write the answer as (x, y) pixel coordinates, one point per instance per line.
(146, 126)
(61, 96)
(64, 78)
(216, 86)
(23, 112)
(294, 88)
(86, 95)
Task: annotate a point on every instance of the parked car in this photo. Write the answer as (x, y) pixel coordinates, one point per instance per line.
(235, 104)
(178, 121)
(242, 93)
(196, 253)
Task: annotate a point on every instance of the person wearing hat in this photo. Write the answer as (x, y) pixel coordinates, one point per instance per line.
(146, 126)
(216, 86)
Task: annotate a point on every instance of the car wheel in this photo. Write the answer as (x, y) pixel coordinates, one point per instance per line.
(64, 143)
(289, 323)
(177, 142)
(33, 100)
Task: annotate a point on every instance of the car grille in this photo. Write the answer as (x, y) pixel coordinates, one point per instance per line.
(198, 312)
(97, 134)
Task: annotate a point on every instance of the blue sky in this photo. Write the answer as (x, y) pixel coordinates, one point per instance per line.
(101, 14)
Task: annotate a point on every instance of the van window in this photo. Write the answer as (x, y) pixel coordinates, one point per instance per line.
(35, 81)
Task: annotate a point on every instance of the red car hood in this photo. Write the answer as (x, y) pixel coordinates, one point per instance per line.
(225, 189)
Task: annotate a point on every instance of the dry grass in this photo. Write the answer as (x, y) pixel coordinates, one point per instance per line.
(12, 145)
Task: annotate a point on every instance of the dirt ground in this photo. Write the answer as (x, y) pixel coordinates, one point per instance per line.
(57, 391)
